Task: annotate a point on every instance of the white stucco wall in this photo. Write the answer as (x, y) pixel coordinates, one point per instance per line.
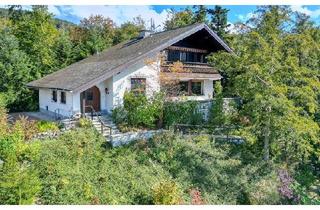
(45, 99)
(122, 81)
(106, 100)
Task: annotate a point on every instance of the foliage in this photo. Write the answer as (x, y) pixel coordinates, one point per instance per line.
(219, 20)
(274, 72)
(179, 19)
(19, 180)
(15, 71)
(166, 193)
(85, 123)
(182, 112)
(138, 111)
(44, 126)
(217, 115)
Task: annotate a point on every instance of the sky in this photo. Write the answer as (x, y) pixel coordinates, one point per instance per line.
(159, 13)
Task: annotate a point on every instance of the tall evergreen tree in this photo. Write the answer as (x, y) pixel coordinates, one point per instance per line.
(219, 20)
(200, 14)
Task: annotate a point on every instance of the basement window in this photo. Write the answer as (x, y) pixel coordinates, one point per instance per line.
(54, 96)
(63, 98)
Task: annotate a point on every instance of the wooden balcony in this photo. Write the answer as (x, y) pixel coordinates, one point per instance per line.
(190, 70)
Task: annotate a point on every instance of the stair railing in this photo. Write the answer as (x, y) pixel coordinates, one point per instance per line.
(102, 124)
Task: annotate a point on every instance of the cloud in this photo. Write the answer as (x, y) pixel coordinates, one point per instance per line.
(244, 18)
(305, 10)
(54, 10)
(119, 14)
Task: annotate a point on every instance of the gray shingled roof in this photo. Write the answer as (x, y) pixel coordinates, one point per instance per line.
(99, 67)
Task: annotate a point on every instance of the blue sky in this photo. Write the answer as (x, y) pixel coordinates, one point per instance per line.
(159, 13)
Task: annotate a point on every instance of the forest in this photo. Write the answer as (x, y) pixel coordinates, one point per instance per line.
(274, 70)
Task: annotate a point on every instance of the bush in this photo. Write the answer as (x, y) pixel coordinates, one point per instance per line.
(265, 191)
(138, 112)
(19, 180)
(183, 112)
(44, 126)
(84, 123)
(166, 193)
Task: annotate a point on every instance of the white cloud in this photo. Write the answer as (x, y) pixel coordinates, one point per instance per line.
(54, 10)
(244, 18)
(119, 14)
(305, 10)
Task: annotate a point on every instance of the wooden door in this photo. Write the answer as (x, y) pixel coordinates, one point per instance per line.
(91, 97)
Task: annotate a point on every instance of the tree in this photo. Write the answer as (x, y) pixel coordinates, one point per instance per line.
(219, 20)
(302, 22)
(99, 33)
(37, 35)
(179, 19)
(278, 85)
(200, 14)
(15, 70)
(127, 31)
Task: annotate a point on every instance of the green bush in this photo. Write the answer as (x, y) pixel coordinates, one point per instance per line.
(19, 180)
(44, 126)
(183, 112)
(166, 193)
(138, 112)
(84, 123)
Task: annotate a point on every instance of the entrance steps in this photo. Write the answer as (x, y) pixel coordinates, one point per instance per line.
(107, 128)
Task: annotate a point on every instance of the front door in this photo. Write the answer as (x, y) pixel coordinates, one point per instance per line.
(90, 98)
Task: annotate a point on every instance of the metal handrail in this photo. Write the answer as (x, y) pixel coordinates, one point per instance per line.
(56, 115)
(99, 119)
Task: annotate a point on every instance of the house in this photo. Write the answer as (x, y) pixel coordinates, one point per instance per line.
(100, 81)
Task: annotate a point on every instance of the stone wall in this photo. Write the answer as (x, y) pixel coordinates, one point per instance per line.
(125, 138)
(228, 105)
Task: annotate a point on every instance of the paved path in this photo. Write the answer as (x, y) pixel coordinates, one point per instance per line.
(30, 115)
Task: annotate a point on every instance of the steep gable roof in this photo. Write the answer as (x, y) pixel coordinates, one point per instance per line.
(99, 67)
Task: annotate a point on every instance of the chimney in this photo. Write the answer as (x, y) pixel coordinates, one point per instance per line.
(144, 34)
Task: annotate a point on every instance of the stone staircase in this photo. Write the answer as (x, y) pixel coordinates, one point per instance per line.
(104, 128)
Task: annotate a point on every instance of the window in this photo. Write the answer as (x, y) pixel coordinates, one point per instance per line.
(54, 95)
(184, 87)
(175, 55)
(183, 56)
(196, 88)
(138, 85)
(63, 98)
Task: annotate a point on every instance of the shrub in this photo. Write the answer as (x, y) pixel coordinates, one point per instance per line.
(167, 193)
(85, 123)
(19, 181)
(137, 111)
(183, 112)
(265, 191)
(44, 126)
